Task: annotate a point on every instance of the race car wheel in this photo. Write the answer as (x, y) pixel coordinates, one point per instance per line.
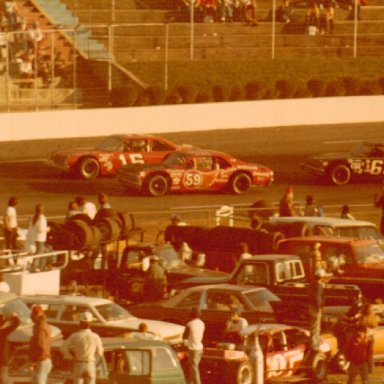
(88, 168)
(317, 366)
(240, 183)
(241, 374)
(109, 229)
(340, 174)
(157, 186)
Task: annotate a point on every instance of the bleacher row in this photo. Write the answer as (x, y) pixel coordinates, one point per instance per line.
(139, 29)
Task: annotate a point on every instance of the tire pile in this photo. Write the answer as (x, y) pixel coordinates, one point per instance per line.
(82, 233)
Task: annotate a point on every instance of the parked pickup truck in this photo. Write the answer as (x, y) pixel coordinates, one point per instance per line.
(362, 260)
(283, 275)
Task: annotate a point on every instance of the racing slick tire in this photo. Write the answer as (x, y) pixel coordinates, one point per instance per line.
(240, 373)
(339, 174)
(240, 183)
(156, 186)
(316, 366)
(125, 222)
(88, 168)
(82, 236)
(109, 228)
(81, 217)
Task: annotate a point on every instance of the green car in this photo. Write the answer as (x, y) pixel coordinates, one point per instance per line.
(124, 361)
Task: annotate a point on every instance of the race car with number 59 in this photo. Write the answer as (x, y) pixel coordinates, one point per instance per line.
(112, 153)
(194, 170)
(364, 161)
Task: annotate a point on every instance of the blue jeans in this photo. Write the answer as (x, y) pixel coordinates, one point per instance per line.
(194, 358)
(84, 372)
(41, 371)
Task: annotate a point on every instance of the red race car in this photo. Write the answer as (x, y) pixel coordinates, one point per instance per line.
(112, 153)
(194, 170)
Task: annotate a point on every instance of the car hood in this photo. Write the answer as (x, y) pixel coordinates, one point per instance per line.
(166, 331)
(196, 273)
(24, 332)
(205, 280)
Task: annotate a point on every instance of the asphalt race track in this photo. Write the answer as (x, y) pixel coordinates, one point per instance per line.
(24, 173)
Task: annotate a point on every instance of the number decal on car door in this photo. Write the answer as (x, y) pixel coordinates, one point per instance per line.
(136, 158)
(192, 179)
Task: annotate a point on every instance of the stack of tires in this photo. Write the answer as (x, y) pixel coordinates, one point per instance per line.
(82, 233)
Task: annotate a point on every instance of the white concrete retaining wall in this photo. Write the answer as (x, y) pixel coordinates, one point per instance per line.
(194, 117)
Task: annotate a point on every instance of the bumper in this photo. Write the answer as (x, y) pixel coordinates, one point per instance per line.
(313, 169)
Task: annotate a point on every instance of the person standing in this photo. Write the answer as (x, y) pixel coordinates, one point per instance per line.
(7, 326)
(10, 224)
(40, 346)
(379, 203)
(286, 206)
(84, 347)
(39, 229)
(103, 200)
(193, 336)
(236, 323)
(86, 207)
(345, 213)
(155, 280)
(357, 353)
(310, 208)
(316, 301)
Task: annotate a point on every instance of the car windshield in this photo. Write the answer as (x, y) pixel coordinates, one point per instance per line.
(168, 256)
(363, 149)
(359, 232)
(110, 144)
(113, 311)
(19, 307)
(369, 254)
(261, 298)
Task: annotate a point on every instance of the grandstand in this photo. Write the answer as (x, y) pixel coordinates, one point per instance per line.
(102, 41)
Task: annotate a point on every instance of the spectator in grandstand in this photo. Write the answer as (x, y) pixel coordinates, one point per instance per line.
(26, 69)
(62, 68)
(21, 38)
(330, 14)
(3, 47)
(35, 35)
(44, 70)
(312, 18)
(249, 12)
(284, 12)
(225, 8)
(209, 9)
(11, 13)
(186, 6)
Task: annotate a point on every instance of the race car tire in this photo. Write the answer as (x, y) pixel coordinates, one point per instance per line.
(81, 217)
(240, 183)
(109, 229)
(105, 212)
(125, 222)
(82, 235)
(340, 174)
(317, 366)
(88, 168)
(156, 186)
(240, 374)
(96, 237)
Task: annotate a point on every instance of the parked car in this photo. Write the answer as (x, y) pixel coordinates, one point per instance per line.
(284, 348)
(364, 161)
(361, 260)
(110, 319)
(327, 226)
(216, 302)
(113, 152)
(124, 361)
(126, 282)
(194, 170)
(11, 303)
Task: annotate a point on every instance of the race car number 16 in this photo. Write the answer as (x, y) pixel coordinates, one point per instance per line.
(192, 179)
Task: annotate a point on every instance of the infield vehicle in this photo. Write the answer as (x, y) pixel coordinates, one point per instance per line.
(364, 162)
(112, 153)
(109, 318)
(361, 261)
(194, 170)
(124, 361)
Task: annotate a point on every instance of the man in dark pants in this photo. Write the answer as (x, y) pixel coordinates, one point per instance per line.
(155, 280)
(7, 326)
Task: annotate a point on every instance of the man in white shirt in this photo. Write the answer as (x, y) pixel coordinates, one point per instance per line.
(86, 207)
(10, 224)
(236, 323)
(84, 347)
(193, 335)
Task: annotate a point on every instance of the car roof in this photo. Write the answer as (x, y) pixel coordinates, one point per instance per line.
(73, 299)
(329, 240)
(315, 220)
(137, 136)
(230, 287)
(273, 257)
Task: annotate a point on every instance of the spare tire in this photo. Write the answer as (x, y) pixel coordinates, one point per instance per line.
(105, 212)
(80, 217)
(125, 223)
(109, 229)
(82, 235)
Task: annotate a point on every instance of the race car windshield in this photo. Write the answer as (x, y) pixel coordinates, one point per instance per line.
(369, 254)
(363, 149)
(110, 144)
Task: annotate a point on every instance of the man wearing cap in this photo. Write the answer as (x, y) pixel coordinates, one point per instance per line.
(7, 325)
(40, 346)
(286, 206)
(155, 280)
(84, 347)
